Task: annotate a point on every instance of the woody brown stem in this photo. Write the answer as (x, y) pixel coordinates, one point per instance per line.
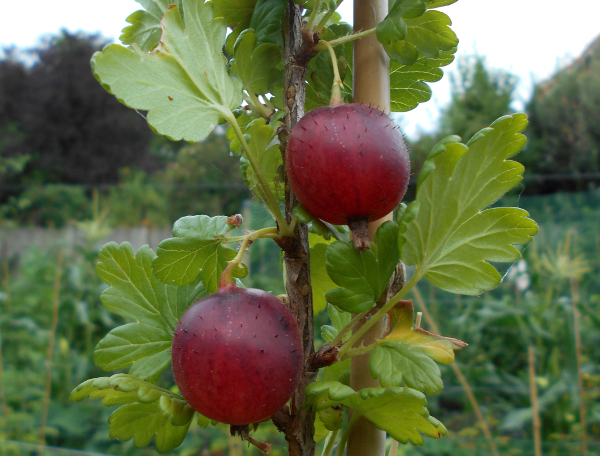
(299, 424)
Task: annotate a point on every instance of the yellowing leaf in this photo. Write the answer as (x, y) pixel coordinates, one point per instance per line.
(406, 355)
(439, 348)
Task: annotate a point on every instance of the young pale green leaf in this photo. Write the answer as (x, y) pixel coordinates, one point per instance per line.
(429, 35)
(321, 283)
(261, 138)
(202, 227)
(136, 294)
(256, 64)
(401, 412)
(362, 276)
(147, 410)
(339, 319)
(103, 388)
(196, 248)
(145, 30)
(452, 238)
(183, 84)
(408, 85)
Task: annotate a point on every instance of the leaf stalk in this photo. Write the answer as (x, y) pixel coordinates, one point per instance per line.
(263, 186)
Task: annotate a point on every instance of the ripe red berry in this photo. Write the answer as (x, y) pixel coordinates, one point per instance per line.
(347, 164)
(237, 355)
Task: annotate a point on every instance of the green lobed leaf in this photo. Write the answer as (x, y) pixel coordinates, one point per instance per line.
(401, 412)
(145, 29)
(263, 141)
(362, 276)
(266, 21)
(429, 35)
(144, 422)
(256, 64)
(183, 84)
(147, 411)
(394, 363)
(235, 12)
(452, 238)
(136, 294)
(132, 343)
(408, 85)
(196, 248)
(393, 27)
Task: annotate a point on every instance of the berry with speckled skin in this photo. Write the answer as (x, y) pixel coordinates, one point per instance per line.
(347, 163)
(237, 355)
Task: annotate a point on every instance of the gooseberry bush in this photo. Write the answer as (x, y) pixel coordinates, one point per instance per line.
(242, 356)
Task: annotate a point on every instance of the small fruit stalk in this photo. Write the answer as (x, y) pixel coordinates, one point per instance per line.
(237, 354)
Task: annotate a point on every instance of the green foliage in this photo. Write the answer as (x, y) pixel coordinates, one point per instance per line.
(136, 200)
(198, 76)
(168, 83)
(147, 412)
(155, 307)
(453, 248)
(479, 96)
(52, 205)
(145, 30)
(364, 276)
(427, 34)
(401, 412)
(196, 248)
(256, 64)
(564, 133)
(202, 178)
(408, 85)
(53, 111)
(268, 156)
(406, 355)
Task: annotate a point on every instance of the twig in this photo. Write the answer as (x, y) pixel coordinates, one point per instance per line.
(582, 410)
(56, 301)
(537, 426)
(461, 378)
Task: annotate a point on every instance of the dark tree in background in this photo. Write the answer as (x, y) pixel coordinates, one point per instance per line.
(56, 112)
(564, 125)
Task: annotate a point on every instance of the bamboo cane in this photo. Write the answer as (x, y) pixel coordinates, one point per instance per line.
(371, 86)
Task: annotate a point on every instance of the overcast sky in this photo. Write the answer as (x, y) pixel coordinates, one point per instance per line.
(529, 38)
